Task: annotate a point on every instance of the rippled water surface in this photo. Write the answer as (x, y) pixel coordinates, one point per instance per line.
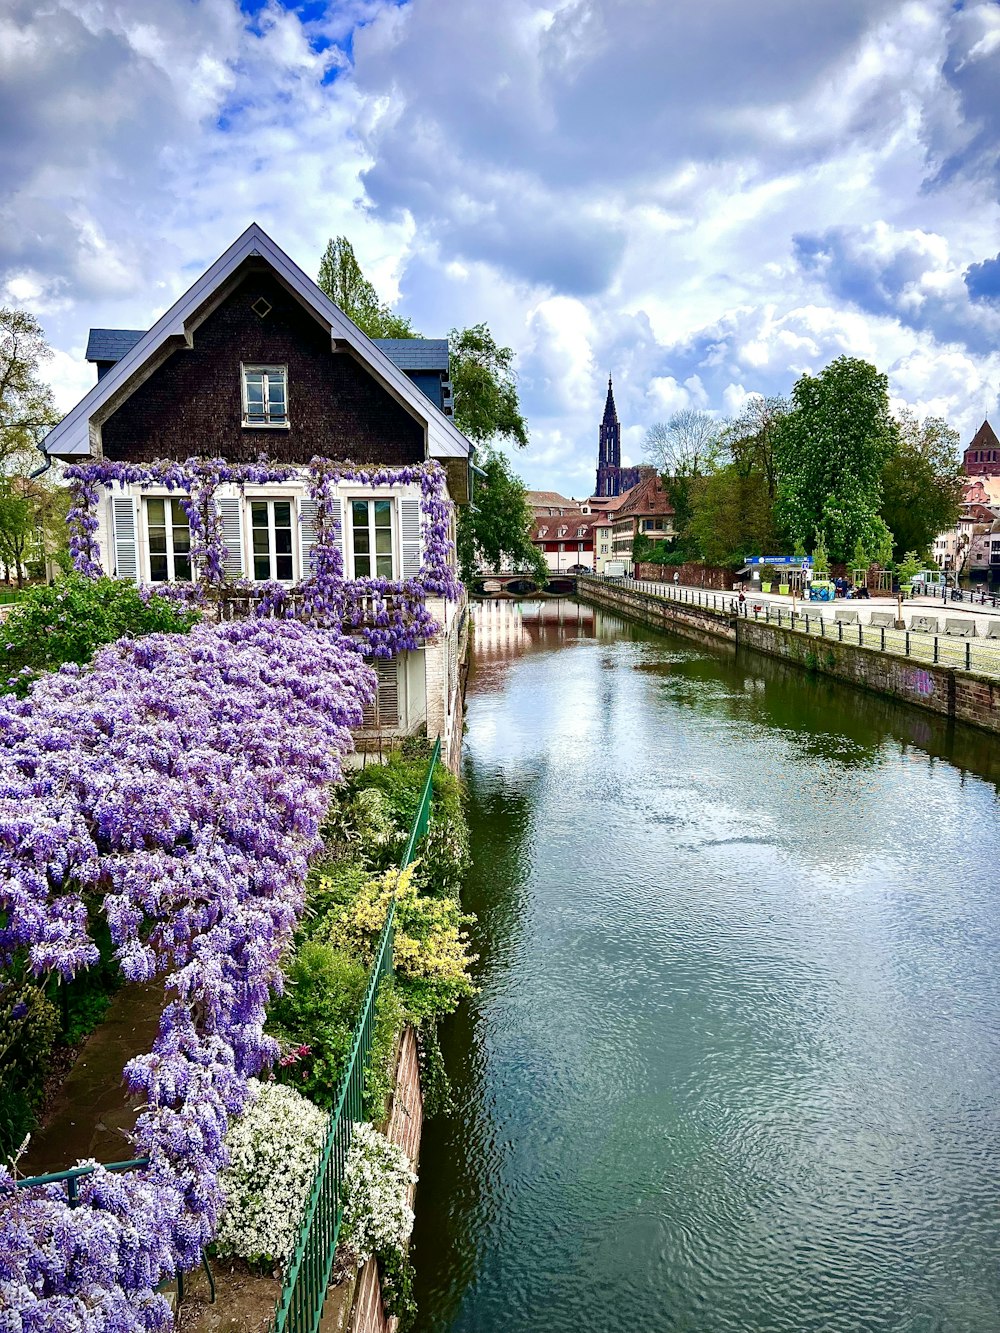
(735, 1063)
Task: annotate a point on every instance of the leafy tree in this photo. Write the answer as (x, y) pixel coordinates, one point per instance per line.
(32, 524)
(733, 516)
(830, 450)
(821, 556)
(26, 407)
(497, 524)
(749, 440)
(340, 276)
(921, 483)
(496, 527)
(485, 388)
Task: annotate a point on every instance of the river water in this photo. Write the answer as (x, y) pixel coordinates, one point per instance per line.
(735, 1061)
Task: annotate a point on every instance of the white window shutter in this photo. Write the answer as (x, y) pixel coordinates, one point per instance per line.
(126, 545)
(337, 536)
(383, 711)
(230, 515)
(307, 532)
(412, 552)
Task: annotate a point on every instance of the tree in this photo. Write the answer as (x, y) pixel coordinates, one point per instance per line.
(749, 439)
(921, 483)
(732, 516)
(496, 527)
(485, 388)
(26, 407)
(683, 449)
(340, 276)
(830, 450)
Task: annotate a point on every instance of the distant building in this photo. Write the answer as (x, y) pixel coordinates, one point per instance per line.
(612, 478)
(644, 510)
(566, 540)
(972, 546)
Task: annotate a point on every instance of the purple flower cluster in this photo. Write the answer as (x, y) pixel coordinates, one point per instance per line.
(391, 615)
(177, 783)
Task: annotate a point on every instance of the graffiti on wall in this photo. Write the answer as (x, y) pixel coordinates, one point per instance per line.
(914, 680)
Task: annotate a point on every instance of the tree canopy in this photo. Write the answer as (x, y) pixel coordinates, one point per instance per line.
(495, 529)
(921, 483)
(831, 450)
(26, 406)
(340, 276)
(482, 375)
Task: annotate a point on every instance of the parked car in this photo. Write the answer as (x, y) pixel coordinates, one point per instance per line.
(579, 569)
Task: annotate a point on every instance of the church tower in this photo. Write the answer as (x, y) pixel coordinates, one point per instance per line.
(609, 449)
(612, 478)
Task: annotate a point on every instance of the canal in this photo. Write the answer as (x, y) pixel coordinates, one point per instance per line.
(734, 1066)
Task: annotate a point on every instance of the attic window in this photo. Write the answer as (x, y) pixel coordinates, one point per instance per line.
(265, 395)
(261, 307)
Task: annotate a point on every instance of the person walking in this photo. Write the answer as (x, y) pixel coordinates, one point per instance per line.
(677, 577)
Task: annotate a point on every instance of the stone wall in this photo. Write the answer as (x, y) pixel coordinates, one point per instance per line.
(953, 694)
(406, 1120)
(692, 575)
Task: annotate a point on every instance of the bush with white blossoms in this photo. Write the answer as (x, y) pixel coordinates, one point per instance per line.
(273, 1148)
(377, 1214)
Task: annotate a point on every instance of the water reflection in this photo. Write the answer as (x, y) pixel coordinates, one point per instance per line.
(735, 1063)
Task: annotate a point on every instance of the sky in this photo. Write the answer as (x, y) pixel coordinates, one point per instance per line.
(705, 200)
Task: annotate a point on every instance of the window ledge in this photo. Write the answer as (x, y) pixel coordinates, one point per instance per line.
(266, 425)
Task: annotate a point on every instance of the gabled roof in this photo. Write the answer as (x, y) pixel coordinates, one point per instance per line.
(111, 344)
(984, 438)
(406, 353)
(71, 438)
(648, 497)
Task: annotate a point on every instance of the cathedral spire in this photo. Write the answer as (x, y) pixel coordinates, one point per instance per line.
(610, 411)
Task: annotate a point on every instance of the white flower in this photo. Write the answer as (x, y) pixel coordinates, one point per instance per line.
(377, 1214)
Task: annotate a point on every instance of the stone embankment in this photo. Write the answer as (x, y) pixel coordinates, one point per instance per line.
(965, 696)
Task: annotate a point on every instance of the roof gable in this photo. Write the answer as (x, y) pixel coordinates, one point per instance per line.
(72, 437)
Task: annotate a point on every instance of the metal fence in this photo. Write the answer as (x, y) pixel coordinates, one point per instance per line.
(300, 1305)
(979, 654)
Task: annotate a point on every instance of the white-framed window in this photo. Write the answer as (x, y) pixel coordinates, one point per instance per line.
(168, 538)
(372, 543)
(265, 395)
(272, 529)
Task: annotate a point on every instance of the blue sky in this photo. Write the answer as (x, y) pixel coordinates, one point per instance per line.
(705, 200)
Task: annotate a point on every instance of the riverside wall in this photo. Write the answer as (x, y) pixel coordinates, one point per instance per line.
(356, 1306)
(963, 696)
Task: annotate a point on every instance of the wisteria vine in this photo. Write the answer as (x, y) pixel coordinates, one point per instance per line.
(177, 785)
(389, 615)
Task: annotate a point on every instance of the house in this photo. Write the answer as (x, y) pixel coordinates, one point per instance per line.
(644, 510)
(566, 540)
(256, 445)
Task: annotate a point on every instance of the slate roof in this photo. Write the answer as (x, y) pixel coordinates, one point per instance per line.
(415, 353)
(406, 353)
(111, 344)
(649, 497)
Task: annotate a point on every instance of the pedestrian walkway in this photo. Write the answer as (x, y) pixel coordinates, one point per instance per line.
(931, 633)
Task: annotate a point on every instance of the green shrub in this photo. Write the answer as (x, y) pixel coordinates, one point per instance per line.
(374, 814)
(69, 621)
(29, 1024)
(314, 1020)
(430, 943)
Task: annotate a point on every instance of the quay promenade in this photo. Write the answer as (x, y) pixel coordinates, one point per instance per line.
(949, 635)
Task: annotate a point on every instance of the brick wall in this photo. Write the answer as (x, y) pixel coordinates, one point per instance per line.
(192, 404)
(696, 576)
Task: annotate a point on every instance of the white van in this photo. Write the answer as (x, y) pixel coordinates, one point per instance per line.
(615, 569)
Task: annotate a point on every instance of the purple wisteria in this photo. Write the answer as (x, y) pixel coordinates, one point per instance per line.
(389, 615)
(176, 785)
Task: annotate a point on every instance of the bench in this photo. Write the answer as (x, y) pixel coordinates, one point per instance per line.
(964, 629)
(883, 619)
(924, 624)
(848, 614)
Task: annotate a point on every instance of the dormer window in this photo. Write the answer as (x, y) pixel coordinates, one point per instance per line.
(265, 395)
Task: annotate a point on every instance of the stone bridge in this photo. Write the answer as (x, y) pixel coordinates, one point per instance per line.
(522, 585)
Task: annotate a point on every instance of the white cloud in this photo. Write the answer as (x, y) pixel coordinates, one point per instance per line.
(704, 201)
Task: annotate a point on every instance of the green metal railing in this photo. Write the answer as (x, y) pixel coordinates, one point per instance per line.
(300, 1305)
